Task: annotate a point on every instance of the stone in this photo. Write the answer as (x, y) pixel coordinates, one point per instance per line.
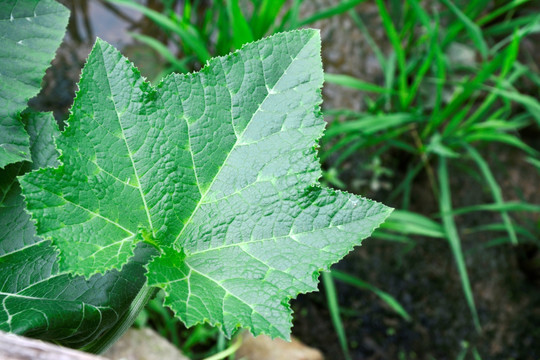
(263, 347)
(143, 344)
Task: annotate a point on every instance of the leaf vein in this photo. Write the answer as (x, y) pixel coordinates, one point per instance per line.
(201, 200)
(118, 115)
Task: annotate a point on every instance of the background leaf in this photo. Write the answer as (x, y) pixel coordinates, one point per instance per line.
(30, 31)
(37, 300)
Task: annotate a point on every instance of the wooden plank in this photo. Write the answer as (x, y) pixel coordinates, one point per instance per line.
(14, 347)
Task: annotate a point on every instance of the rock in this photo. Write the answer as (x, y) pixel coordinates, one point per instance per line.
(263, 347)
(143, 344)
(461, 55)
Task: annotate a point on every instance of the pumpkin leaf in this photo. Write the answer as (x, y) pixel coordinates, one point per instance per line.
(217, 169)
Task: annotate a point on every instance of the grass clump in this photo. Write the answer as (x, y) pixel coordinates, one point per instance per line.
(435, 114)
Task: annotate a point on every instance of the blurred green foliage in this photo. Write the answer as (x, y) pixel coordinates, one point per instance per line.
(198, 30)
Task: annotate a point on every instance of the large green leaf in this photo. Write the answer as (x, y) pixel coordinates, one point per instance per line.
(217, 169)
(36, 299)
(30, 32)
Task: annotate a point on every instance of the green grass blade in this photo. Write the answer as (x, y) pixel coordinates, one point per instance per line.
(516, 123)
(501, 10)
(410, 223)
(325, 153)
(458, 118)
(493, 242)
(359, 141)
(463, 352)
(534, 162)
(441, 71)
(438, 146)
(398, 15)
(241, 30)
(422, 70)
(186, 13)
(265, 17)
(476, 354)
(333, 307)
(495, 190)
(522, 231)
(529, 102)
(474, 30)
(529, 28)
(332, 177)
(353, 83)
(507, 206)
(200, 334)
(353, 148)
(421, 14)
(342, 7)
(406, 184)
(445, 203)
(393, 36)
(489, 136)
(370, 124)
(290, 19)
(387, 298)
(383, 235)
(224, 40)
(179, 65)
(389, 79)
(188, 35)
(353, 142)
(508, 63)
(193, 40)
(535, 78)
(509, 26)
(469, 87)
(342, 112)
(475, 8)
(369, 39)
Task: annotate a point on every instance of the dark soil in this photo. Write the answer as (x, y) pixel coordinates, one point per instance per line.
(424, 279)
(505, 279)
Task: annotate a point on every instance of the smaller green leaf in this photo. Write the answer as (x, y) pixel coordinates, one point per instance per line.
(37, 300)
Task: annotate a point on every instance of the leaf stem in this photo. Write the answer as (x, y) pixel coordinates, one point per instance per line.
(149, 238)
(227, 352)
(105, 341)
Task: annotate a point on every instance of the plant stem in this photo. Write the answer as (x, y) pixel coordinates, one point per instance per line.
(105, 341)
